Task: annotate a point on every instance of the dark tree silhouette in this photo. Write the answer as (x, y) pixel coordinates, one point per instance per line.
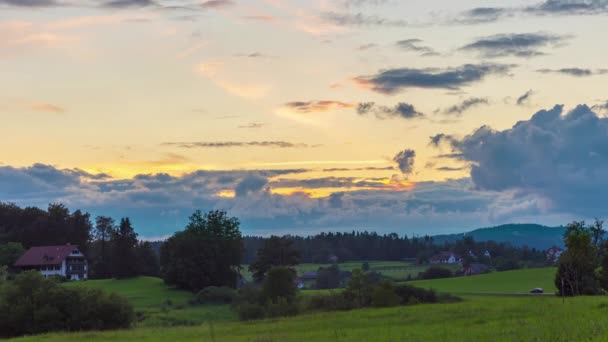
(276, 251)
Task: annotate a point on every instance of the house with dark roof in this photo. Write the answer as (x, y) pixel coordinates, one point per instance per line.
(64, 260)
(445, 258)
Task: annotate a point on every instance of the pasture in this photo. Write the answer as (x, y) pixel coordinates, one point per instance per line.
(479, 318)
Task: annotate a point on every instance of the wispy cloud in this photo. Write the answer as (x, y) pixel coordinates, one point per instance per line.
(233, 144)
(525, 98)
(401, 110)
(415, 45)
(577, 72)
(514, 45)
(317, 106)
(465, 105)
(47, 107)
(361, 19)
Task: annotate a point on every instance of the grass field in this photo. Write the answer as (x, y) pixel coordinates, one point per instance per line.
(498, 282)
(395, 270)
(478, 318)
(149, 297)
(485, 318)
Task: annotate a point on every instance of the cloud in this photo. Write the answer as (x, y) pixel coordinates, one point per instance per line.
(481, 15)
(525, 98)
(367, 46)
(391, 81)
(465, 105)
(250, 184)
(359, 3)
(128, 3)
(252, 125)
(217, 4)
(577, 72)
(416, 46)
(317, 106)
(47, 107)
(514, 45)
(569, 7)
(405, 161)
(233, 144)
(562, 158)
(30, 3)
(402, 110)
(361, 19)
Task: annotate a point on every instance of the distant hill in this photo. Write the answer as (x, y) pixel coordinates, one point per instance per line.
(531, 235)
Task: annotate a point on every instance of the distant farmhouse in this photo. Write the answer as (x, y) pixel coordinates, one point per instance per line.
(65, 261)
(445, 258)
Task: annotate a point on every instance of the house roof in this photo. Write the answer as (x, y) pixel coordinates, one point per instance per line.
(46, 255)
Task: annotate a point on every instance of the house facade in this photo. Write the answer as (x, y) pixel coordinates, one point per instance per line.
(65, 260)
(554, 253)
(445, 258)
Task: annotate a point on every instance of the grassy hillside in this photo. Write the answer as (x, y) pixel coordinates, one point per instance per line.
(524, 318)
(160, 305)
(499, 282)
(531, 235)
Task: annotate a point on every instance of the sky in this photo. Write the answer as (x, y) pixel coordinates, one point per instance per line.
(306, 116)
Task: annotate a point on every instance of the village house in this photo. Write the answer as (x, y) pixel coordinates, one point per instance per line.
(445, 258)
(64, 261)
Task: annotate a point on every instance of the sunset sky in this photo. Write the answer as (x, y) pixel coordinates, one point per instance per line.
(306, 116)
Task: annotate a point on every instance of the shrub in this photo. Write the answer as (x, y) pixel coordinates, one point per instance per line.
(410, 295)
(31, 304)
(384, 295)
(330, 302)
(281, 307)
(215, 295)
(250, 311)
(279, 283)
(436, 272)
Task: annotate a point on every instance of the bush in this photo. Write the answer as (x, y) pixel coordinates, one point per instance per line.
(31, 304)
(435, 272)
(281, 307)
(215, 295)
(330, 302)
(384, 295)
(250, 311)
(411, 295)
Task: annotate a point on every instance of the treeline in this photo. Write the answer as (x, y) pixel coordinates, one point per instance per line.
(358, 246)
(112, 250)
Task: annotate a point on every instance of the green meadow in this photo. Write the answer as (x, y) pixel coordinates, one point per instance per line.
(496, 317)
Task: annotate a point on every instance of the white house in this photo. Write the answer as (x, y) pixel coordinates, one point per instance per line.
(65, 261)
(445, 258)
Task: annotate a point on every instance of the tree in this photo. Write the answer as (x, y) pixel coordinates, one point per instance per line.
(147, 260)
(576, 266)
(359, 289)
(105, 229)
(279, 283)
(597, 232)
(365, 266)
(10, 252)
(207, 252)
(276, 251)
(328, 278)
(124, 258)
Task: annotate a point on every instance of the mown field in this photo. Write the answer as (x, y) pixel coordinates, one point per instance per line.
(495, 317)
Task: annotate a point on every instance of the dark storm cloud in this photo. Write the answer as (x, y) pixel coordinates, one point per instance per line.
(401, 110)
(232, 144)
(391, 81)
(561, 157)
(515, 45)
(405, 160)
(465, 105)
(577, 72)
(525, 98)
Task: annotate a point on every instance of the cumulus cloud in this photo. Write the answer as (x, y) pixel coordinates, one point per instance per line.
(465, 105)
(405, 160)
(415, 45)
(515, 45)
(525, 98)
(561, 157)
(317, 106)
(577, 72)
(232, 144)
(391, 81)
(250, 184)
(401, 110)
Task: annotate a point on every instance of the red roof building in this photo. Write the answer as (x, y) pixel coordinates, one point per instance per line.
(64, 260)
